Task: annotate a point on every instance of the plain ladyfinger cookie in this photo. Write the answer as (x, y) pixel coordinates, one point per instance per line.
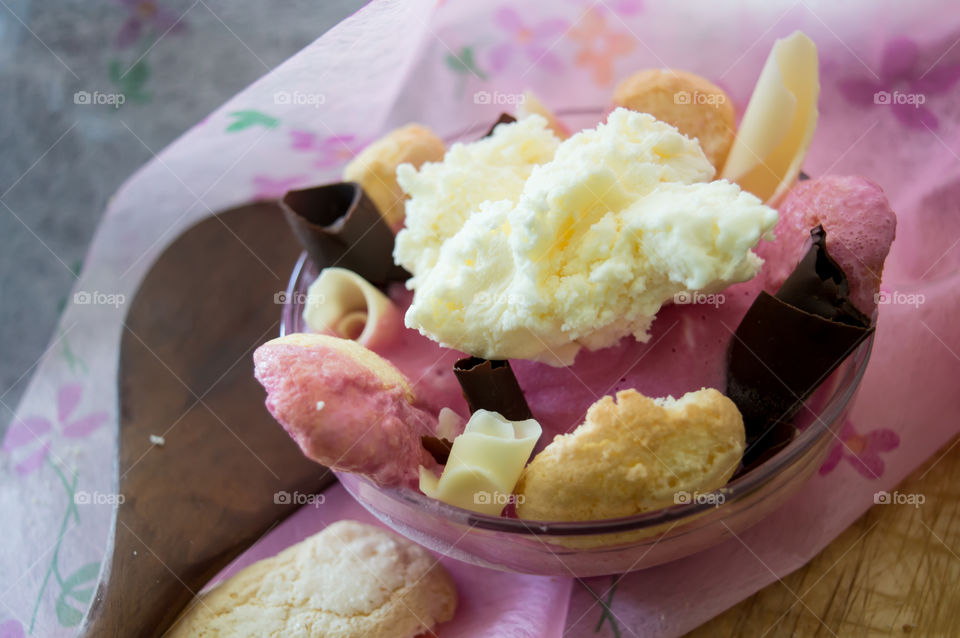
(350, 580)
(696, 106)
(375, 168)
(632, 456)
(346, 407)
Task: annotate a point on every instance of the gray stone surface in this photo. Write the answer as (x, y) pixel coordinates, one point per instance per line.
(60, 161)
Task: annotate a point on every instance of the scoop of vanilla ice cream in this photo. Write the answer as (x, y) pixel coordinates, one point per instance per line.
(598, 239)
(444, 194)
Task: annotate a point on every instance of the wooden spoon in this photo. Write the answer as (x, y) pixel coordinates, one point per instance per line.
(199, 499)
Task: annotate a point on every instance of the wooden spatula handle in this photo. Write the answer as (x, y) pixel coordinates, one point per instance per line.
(194, 503)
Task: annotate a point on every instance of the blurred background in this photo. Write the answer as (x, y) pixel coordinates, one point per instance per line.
(67, 146)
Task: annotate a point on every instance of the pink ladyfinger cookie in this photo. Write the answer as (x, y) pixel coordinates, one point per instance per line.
(860, 228)
(345, 406)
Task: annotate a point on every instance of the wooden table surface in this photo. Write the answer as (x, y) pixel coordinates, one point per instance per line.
(895, 571)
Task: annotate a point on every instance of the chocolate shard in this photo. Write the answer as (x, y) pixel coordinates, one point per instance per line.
(802, 177)
(505, 118)
(491, 385)
(788, 344)
(438, 448)
(819, 286)
(338, 225)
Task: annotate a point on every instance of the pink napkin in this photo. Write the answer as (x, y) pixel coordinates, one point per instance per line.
(889, 111)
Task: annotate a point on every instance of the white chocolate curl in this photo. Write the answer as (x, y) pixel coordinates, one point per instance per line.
(449, 424)
(485, 463)
(342, 303)
(531, 105)
(779, 122)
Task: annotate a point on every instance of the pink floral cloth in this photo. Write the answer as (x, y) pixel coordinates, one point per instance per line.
(863, 451)
(888, 105)
(532, 43)
(28, 438)
(904, 83)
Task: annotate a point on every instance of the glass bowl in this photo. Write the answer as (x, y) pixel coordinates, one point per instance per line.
(612, 546)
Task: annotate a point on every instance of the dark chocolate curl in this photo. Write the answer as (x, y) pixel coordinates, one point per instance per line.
(491, 385)
(338, 225)
(505, 118)
(787, 345)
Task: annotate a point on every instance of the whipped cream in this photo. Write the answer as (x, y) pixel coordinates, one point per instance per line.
(591, 245)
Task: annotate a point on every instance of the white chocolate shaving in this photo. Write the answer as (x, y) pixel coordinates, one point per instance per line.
(345, 304)
(351, 326)
(531, 105)
(448, 424)
(485, 463)
(779, 122)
